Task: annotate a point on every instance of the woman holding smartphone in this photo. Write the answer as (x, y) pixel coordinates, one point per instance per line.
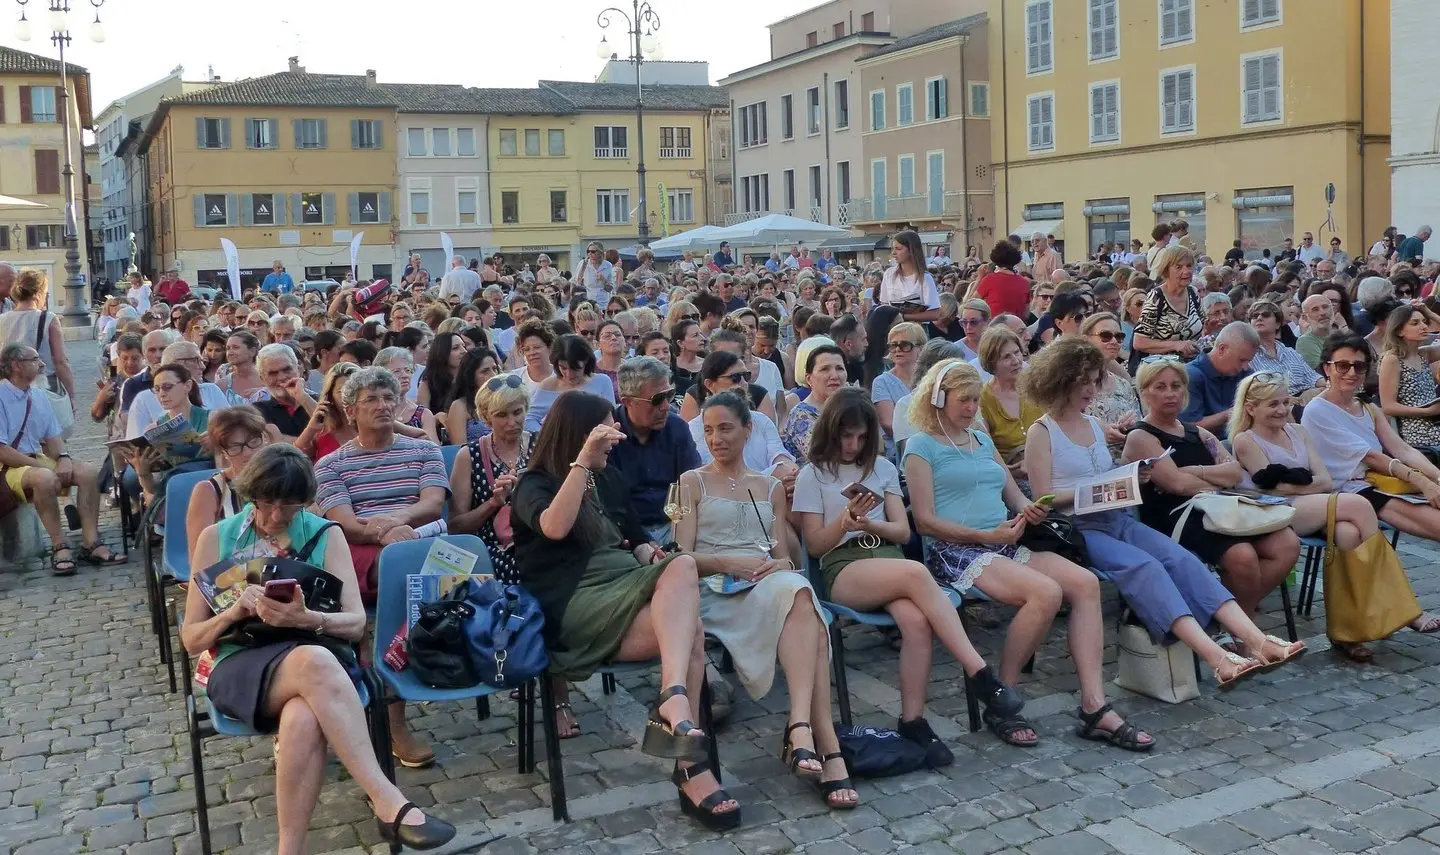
(851, 513)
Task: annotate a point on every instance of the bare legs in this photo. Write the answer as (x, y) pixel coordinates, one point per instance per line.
(1355, 520)
(670, 628)
(804, 655)
(1254, 569)
(326, 711)
(43, 487)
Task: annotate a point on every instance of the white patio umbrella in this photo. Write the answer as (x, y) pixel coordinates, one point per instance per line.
(696, 238)
(776, 229)
(16, 202)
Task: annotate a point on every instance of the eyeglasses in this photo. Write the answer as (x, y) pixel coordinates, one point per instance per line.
(587, 334)
(1107, 336)
(900, 346)
(255, 323)
(972, 322)
(252, 444)
(1345, 366)
(165, 388)
(738, 377)
(659, 399)
(286, 508)
(498, 382)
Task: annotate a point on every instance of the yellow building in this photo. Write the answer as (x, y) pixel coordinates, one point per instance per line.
(563, 165)
(1235, 115)
(288, 166)
(32, 162)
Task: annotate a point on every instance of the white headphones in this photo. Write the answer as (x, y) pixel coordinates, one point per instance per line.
(937, 394)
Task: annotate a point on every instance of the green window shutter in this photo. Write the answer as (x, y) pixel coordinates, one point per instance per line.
(199, 209)
(329, 212)
(199, 131)
(354, 208)
(224, 133)
(385, 208)
(247, 209)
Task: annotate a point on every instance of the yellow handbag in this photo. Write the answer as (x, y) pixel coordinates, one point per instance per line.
(1367, 595)
(1389, 483)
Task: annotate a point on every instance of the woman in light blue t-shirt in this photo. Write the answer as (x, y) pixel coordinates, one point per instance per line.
(857, 539)
(972, 514)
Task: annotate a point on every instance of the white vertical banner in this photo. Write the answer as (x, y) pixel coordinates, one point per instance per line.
(355, 255)
(448, 246)
(232, 266)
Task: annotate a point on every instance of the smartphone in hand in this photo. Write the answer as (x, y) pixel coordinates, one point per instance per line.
(282, 590)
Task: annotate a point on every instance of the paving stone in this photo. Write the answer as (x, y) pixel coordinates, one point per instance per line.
(1070, 843)
(1215, 838)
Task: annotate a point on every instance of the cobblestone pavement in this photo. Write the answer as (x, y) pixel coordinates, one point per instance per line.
(1320, 757)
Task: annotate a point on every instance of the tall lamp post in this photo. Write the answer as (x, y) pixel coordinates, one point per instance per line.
(77, 310)
(641, 24)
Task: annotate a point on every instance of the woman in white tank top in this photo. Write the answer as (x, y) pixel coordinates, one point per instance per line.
(1172, 593)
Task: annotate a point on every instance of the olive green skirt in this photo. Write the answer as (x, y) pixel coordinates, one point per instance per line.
(837, 559)
(612, 592)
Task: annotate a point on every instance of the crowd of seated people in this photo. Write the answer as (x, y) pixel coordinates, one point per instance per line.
(721, 448)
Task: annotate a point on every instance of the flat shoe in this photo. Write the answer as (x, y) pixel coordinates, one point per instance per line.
(430, 834)
(1293, 650)
(1243, 668)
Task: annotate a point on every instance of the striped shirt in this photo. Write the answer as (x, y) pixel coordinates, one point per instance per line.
(378, 482)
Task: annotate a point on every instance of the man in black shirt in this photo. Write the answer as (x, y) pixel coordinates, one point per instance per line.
(849, 335)
(1235, 257)
(290, 406)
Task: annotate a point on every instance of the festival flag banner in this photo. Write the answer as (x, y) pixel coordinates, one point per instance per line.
(232, 266)
(355, 255)
(448, 245)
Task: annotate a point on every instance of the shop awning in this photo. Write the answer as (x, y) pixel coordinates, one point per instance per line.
(929, 239)
(1054, 228)
(860, 243)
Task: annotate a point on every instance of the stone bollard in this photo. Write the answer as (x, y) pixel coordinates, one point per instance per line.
(22, 537)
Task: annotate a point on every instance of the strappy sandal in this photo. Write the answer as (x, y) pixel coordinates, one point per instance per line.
(574, 729)
(1006, 727)
(62, 566)
(679, 741)
(705, 811)
(1354, 651)
(828, 789)
(793, 757)
(1242, 668)
(1126, 736)
(1293, 650)
(87, 554)
(1426, 623)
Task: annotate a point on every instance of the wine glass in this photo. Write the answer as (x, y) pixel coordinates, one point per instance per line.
(677, 502)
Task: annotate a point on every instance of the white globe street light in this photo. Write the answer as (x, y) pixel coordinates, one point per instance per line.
(22, 30)
(603, 50)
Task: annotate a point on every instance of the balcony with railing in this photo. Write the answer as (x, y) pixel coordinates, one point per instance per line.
(814, 213)
(611, 153)
(884, 209)
(674, 153)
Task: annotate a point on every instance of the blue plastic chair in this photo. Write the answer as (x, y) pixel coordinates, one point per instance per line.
(174, 557)
(450, 452)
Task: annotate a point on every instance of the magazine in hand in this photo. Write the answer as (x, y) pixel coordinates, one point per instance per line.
(221, 583)
(1118, 488)
(446, 565)
(723, 583)
(176, 440)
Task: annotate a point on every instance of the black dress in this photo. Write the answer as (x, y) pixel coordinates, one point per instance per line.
(501, 557)
(1157, 506)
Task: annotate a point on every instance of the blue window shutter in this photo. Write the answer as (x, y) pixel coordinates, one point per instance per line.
(296, 210)
(328, 215)
(385, 207)
(277, 207)
(324, 132)
(354, 133)
(199, 209)
(247, 209)
(299, 133)
(232, 208)
(354, 208)
(274, 132)
(378, 125)
(224, 133)
(199, 131)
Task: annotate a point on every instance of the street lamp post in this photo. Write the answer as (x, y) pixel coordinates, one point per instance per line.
(641, 23)
(77, 309)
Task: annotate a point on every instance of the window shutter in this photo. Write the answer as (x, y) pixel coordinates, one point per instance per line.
(1184, 27)
(199, 208)
(47, 171)
(354, 207)
(224, 133)
(277, 208)
(61, 105)
(329, 205)
(1252, 88)
(1270, 86)
(247, 209)
(354, 135)
(200, 132)
(299, 133)
(1097, 113)
(27, 115)
(385, 207)
(1252, 11)
(324, 133)
(296, 209)
(274, 132)
(377, 126)
(1167, 21)
(249, 124)
(1185, 96)
(232, 208)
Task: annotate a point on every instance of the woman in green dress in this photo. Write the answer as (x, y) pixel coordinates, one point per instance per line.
(609, 593)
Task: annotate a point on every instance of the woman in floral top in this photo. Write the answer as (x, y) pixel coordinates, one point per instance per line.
(1115, 405)
(1170, 321)
(823, 371)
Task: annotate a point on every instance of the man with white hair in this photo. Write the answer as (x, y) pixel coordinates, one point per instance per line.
(1413, 247)
(1319, 315)
(1214, 376)
(282, 327)
(7, 281)
(145, 410)
(290, 406)
(1047, 260)
(1371, 294)
(459, 280)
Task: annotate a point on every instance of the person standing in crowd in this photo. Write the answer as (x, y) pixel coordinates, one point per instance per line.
(277, 281)
(30, 322)
(1170, 321)
(1412, 249)
(723, 259)
(596, 275)
(1047, 260)
(36, 466)
(906, 284)
(459, 281)
(172, 290)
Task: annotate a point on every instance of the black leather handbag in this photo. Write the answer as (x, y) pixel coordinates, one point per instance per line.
(1057, 533)
(438, 643)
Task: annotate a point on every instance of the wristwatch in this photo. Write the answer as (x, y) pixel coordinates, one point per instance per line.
(63, 456)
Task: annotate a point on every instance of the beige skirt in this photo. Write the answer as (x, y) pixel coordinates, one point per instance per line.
(749, 623)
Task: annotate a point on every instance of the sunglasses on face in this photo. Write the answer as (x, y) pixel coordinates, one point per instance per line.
(972, 322)
(165, 388)
(1345, 366)
(1108, 336)
(692, 317)
(738, 377)
(495, 384)
(901, 346)
(659, 399)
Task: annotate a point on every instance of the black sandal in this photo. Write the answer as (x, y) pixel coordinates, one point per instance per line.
(704, 811)
(87, 554)
(793, 757)
(1006, 727)
(56, 568)
(995, 695)
(830, 788)
(680, 741)
(1126, 736)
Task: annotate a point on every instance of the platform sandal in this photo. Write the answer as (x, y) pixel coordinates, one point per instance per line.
(705, 810)
(793, 757)
(679, 741)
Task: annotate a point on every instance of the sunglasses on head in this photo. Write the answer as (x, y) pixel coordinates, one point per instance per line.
(1161, 357)
(500, 381)
(692, 317)
(659, 399)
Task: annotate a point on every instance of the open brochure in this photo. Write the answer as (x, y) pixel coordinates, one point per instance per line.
(176, 440)
(446, 565)
(222, 582)
(1118, 488)
(1412, 498)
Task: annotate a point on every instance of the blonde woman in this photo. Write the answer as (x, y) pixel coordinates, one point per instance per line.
(902, 348)
(105, 326)
(680, 310)
(1006, 412)
(544, 273)
(1171, 320)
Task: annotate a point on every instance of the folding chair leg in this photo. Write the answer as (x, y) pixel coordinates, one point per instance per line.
(527, 710)
(607, 682)
(842, 683)
(559, 809)
(197, 766)
(972, 703)
(1289, 612)
(482, 707)
(166, 643)
(546, 712)
(1029, 666)
(707, 724)
(380, 726)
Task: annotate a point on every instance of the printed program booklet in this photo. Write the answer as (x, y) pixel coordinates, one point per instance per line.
(1118, 488)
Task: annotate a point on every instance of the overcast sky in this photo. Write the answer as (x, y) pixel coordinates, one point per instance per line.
(474, 42)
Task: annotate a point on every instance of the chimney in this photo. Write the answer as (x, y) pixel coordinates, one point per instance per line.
(370, 77)
(295, 66)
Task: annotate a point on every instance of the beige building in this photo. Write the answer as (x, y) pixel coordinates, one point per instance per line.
(926, 138)
(32, 159)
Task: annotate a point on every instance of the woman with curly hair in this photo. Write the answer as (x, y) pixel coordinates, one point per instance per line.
(1166, 587)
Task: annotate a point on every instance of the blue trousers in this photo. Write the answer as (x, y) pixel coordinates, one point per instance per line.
(1160, 580)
